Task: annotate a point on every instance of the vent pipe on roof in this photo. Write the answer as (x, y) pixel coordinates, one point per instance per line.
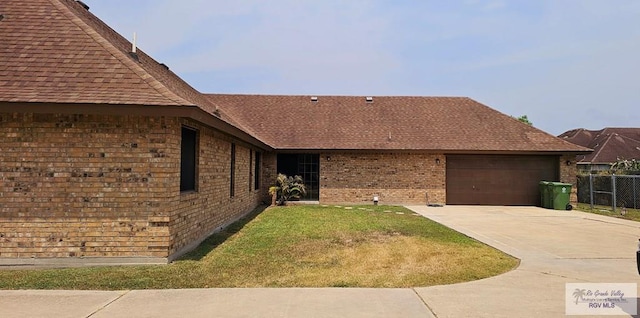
(314, 98)
(133, 44)
(133, 53)
(369, 99)
(1, 17)
(84, 5)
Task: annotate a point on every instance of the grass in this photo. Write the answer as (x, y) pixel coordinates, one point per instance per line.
(301, 246)
(629, 214)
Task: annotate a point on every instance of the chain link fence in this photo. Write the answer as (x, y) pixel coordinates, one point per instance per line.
(615, 191)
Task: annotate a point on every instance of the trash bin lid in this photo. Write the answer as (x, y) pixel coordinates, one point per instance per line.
(560, 184)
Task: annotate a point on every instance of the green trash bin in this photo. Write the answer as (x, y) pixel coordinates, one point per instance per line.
(561, 194)
(545, 195)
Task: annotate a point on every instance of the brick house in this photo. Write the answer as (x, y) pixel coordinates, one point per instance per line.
(108, 156)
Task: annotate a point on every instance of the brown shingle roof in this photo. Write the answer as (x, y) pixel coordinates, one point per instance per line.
(609, 144)
(455, 124)
(56, 52)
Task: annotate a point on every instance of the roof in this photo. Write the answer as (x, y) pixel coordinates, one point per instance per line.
(56, 51)
(450, 124)
(610, 144)
(72, 57)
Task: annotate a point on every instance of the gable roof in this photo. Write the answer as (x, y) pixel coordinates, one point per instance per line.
(451, 124)
(609, 144)
(56, 51)
(74, 57)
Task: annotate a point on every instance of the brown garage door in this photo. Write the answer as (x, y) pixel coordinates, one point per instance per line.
(497, 179)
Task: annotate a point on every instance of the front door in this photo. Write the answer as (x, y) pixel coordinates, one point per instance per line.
(305, 165)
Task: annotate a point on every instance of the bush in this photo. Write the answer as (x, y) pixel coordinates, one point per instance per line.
(287, 188)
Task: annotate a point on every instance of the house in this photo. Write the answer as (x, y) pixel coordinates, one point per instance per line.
(415, 150)
(106, 153)
(609, 144)
(109, 157)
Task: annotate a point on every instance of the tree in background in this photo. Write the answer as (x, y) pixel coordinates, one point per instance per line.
(525, 120)
(626, 166)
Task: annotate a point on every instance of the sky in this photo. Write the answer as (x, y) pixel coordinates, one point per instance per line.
(565, 64)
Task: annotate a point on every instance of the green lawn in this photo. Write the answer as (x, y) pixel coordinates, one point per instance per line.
(301, 246)
(627, 214)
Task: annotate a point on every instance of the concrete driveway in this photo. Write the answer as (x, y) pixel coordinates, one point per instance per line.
(555, 248)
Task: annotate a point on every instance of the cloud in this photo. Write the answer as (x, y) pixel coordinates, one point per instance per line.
(299, 42)
(549, 59)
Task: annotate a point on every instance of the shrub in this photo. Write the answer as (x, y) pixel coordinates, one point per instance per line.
(624, 166)
(287, 188)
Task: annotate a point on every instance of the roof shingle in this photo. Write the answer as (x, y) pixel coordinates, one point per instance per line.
(455, 124)
(609, 144)
(57, 52)
(51, 51)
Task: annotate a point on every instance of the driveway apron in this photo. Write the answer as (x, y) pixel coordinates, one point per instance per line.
(555, 248)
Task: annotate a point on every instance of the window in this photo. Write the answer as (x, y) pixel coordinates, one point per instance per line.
(250, 169)
(256, 173)
(188, 159)
(232, 183)
(305, 165)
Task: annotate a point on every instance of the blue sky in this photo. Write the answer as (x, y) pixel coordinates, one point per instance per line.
(564, 63)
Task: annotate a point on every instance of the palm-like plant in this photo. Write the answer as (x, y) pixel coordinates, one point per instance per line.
(626, 165)
(287, 188)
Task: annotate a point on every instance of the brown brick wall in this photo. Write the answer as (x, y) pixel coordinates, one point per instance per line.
(269, 173)
(568, 174)
(197, 214)
(108, 186)
(406, 178)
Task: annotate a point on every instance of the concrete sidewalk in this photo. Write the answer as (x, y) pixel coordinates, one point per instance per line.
(556, 247)
(219, 302)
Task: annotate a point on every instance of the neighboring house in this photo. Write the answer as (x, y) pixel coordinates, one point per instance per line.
(609, 144)
(106, 155)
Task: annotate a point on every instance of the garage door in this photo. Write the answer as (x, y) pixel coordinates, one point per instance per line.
(497, 179)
